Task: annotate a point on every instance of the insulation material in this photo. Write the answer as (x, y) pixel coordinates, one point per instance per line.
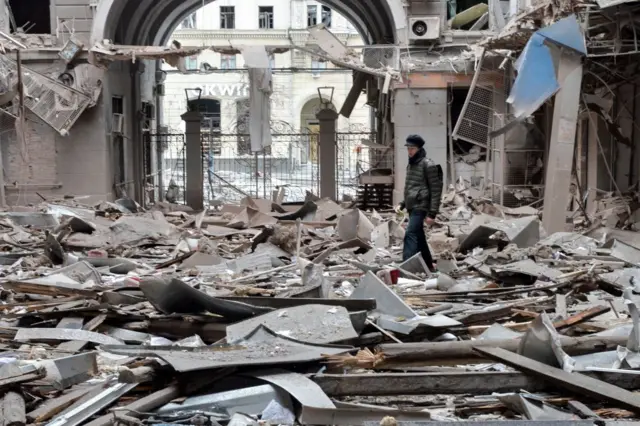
(260, 89)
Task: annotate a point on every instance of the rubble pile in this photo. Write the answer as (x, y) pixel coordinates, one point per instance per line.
(274, 314)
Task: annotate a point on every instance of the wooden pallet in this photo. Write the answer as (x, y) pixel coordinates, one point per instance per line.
(374, 196)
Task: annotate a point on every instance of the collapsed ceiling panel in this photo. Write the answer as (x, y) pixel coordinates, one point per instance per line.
(56, 104)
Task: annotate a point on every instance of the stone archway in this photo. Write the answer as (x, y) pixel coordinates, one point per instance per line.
(152, 21)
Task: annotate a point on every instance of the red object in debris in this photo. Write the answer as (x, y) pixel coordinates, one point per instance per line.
(97, 253)
(395, 274)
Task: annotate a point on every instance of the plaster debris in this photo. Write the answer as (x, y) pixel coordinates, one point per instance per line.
(126, 306)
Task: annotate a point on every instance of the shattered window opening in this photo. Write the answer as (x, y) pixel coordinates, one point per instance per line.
(265, 17)
(119, 176)
(25, 20)
(326, 16)
(227, 17)
(227, 62)
(189, 23)
(312, 15)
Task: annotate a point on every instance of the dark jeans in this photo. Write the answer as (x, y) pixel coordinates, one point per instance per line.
(415, 241)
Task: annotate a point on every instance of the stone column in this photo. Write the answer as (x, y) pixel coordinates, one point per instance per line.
(194, 193)
(421, 112)
(562, 143)
(327, 152)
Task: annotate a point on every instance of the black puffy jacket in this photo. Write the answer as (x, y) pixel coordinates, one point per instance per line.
(423, 185)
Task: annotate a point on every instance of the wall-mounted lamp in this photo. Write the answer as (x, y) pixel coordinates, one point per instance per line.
(326, 95)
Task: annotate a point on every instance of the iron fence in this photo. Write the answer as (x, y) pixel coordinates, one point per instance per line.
(164, 167)
(231, 171)
(358, 154)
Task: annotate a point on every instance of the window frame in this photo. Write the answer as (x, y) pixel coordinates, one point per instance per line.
(226, 15)
(266, 17)
(226, 60)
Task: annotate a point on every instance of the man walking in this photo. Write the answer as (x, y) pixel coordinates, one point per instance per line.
(422, 193)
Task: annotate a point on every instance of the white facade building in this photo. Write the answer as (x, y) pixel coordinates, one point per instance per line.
(218, 86)
(296, 75)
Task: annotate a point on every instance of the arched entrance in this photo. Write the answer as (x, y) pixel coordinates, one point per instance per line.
(144, 22)
(152, 22)
(309, 124)
(210, 111)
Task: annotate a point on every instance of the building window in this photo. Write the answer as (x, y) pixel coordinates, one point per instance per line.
(210, 112)
(326, 16)
(191, 63)
(317, 65)
(32, 16)
(227, 62)
(312, 15)
(265, 17)
(227, 17)
(119, 175)
(189, 23)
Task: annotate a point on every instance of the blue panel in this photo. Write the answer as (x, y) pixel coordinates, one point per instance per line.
(536, 81)
(566, 32)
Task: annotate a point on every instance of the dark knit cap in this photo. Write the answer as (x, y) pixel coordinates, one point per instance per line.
(415, 140)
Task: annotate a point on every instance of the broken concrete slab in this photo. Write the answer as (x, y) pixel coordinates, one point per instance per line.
(354, 224)
(321, 324)
(261, 347)
(524, 232)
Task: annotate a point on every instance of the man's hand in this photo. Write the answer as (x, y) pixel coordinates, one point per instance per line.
(429, 221)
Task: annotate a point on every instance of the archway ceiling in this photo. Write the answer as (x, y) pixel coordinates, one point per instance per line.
(151, 22)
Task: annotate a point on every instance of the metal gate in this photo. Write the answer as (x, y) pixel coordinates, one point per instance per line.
(358, 153)
(231, 171)
(165, 158)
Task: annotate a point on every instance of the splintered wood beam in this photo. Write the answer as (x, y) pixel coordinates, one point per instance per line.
(574, 382)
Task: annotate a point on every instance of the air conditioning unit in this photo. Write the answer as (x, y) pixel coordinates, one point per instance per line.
(424, 28)
(117, 124)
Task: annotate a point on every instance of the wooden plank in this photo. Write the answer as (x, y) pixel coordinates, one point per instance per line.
(574, 382)
(47, 290)
(450, 382)
(581, 317)
(23, 378)
(436, 352)
(54, 406)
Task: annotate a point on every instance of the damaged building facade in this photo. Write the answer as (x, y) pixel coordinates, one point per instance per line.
(444, 70)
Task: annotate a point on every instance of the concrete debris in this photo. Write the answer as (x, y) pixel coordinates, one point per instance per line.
(260, 312)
